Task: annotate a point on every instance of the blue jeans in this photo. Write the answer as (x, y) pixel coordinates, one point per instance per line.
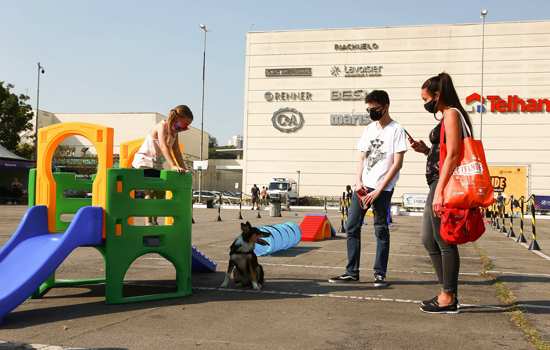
(381, 231)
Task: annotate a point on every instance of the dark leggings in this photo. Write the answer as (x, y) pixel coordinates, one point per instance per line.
(445, 257)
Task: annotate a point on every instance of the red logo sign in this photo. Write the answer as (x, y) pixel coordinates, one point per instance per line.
(510, 104)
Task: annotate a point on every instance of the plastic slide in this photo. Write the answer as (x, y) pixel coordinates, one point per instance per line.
(32, 254)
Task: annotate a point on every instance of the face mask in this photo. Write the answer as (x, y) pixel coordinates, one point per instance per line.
(430, 106)
(178, 126)
(376, 114)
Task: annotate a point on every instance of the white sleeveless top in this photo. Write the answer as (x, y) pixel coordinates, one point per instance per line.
(149, 154)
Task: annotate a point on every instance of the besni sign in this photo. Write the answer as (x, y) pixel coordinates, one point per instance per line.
(348, 95)
(287, 120)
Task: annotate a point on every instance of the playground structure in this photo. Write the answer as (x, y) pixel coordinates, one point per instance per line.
(106, 221)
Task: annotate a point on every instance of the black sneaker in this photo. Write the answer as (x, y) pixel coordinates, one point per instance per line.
(434, 308)
(426, 302)
(380, 281)
(343, 279)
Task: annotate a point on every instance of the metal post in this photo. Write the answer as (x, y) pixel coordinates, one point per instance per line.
(220, 208)
(534, 244)
(204, 29)
(483, 15)
(511, 230)
(241, 207)
(343, 210)
(40, 70)
(503, 217)
(521, 237)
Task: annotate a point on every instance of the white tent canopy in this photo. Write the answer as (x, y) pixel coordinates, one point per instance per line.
(5, 154)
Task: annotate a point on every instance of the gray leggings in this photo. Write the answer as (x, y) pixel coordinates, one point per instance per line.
(445, 257)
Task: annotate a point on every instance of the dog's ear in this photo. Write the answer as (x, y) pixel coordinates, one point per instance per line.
(248, 224)
(245, 227)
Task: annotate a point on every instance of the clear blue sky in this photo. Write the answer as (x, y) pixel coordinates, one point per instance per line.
(136, 56)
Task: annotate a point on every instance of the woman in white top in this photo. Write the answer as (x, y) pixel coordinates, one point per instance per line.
(161, 145)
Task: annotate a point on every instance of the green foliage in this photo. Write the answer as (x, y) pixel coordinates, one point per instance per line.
(15, 116)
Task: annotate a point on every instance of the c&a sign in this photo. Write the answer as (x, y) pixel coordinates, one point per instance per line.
(508, 104)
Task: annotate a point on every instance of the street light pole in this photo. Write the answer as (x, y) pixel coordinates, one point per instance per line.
(483, 15)
(40, 70)
(205, 30)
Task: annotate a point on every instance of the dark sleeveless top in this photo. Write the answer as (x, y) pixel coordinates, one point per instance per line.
(432, 164)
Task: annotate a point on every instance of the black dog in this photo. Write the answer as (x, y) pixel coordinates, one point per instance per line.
(243, 263)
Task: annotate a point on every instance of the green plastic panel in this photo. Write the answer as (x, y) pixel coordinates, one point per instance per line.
(125, 243)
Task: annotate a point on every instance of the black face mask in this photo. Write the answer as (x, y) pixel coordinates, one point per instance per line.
(431, 106)
(376, 114)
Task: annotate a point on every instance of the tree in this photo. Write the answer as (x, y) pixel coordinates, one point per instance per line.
(15, 117)
(212, 142)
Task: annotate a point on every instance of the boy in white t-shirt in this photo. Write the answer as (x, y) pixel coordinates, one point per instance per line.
(382, 148)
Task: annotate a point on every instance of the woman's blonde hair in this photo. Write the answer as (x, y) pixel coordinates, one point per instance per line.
(180, 111)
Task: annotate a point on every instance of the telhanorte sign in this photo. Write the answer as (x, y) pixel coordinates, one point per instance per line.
(509, 104)
(287, 72)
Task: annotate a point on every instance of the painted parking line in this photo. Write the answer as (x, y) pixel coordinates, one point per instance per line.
(222, 261)
(364, 298)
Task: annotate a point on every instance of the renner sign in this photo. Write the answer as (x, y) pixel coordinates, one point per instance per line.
(512, 103)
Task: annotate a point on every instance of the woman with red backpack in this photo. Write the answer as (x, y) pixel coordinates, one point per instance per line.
(440, 97)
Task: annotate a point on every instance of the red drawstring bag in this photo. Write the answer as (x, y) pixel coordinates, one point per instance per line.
(459, 226)
(470, 184)
(468, 189)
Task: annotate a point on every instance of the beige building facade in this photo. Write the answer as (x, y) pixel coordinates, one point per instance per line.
(304, 98)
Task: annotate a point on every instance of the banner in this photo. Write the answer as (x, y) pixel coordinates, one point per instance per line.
(414, 200)
(509, 180)
(542, 203)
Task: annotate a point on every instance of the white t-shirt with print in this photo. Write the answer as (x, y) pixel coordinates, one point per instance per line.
(380, 145)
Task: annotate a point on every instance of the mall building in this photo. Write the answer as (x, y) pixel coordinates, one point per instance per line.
(304, 100)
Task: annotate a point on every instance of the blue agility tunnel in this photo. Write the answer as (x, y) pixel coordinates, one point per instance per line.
(283, 236)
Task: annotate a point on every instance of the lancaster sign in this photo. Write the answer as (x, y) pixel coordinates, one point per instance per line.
(509, 104)
(348, 95)
(356, 71)
(356, 47)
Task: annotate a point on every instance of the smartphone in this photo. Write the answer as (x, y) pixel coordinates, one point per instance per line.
(411, 140)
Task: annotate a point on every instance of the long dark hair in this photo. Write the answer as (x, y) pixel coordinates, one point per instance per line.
(448, 97)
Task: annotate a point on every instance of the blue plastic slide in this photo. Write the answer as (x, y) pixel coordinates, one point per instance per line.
(32, 254)
(201, 263)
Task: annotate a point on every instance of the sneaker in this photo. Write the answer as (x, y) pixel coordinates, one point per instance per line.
(434, 308)
(429, 301)
(343, 279)
(380, 281)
